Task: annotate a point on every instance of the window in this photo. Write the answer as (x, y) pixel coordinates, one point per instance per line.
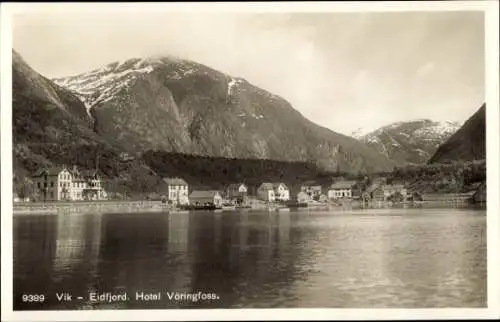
(39, 185)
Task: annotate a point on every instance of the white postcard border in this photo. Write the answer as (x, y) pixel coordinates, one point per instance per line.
(493, 145)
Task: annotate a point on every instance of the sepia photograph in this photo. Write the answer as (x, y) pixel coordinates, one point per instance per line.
(193, 157)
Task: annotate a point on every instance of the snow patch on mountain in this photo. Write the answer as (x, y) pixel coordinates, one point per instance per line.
(100, 85)
(121, 63)
(427, 130)
(257, 117)
(231, 86)
(438, 129)
(411, 141)
(422, 152)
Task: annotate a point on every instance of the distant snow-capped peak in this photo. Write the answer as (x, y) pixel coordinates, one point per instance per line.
(409, 141)
(438, 129)
(424, 128)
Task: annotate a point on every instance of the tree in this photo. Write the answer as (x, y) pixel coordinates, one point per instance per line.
(396, 197)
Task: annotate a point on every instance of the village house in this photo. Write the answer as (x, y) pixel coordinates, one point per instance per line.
(414, 196)
(368, 194)
(266, 192)
(271, 192)
(206, 198)
(281, 191)
(303, 197)
(58, 183)
(177, 191)
(86, 185)
(356, 193)
(480, 194)
(313, 190)
(237, 192)
(323, 198)
(341, 189)
(385, 191)
(52, 184)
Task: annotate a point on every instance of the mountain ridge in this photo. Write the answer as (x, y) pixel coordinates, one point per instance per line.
(208, 112)
(409, 142)
(468, 143)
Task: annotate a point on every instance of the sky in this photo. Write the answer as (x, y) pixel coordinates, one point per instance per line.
(344, 71)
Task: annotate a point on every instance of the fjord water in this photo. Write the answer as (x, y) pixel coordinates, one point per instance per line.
(378, 258)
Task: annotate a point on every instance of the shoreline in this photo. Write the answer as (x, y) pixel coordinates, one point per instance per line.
(85, 206)
(157, 206)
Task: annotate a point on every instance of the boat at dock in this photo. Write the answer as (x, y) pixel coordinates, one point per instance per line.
(200, 207)
(294, 204)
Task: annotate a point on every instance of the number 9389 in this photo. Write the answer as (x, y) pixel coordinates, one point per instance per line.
(33, 298)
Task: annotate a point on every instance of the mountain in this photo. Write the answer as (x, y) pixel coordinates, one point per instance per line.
(175, 105)
(412, 142)
(52, 127)
(468, 143)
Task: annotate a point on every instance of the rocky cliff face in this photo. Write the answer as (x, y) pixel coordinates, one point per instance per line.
(176, 105)
(412, 142)
(45, 115)
(467, 144)
(52, 127)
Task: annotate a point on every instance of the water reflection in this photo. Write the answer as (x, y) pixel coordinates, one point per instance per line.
(70, 243)
(178, 232)
(177, 260)
(390, 258)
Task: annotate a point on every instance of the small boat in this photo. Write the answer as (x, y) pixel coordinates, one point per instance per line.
(198, 207)
(297, 204)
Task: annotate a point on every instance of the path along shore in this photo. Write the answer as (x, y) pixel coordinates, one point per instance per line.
(90, 206)
(157, 206)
